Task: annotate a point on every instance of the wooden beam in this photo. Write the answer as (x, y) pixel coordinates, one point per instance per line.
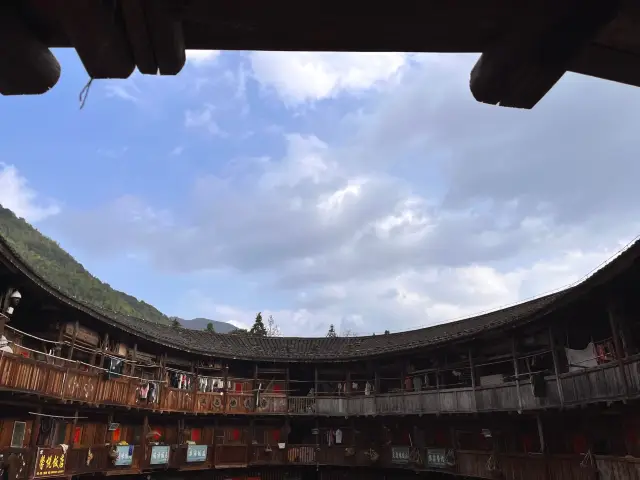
(27, 65)
(135, 21)
(524, 65)
(165, 28)
(97, 32)
(554, 356)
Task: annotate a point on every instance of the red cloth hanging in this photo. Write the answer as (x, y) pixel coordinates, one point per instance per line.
(276, 436)
(195, 435)
(116, 435)
(579, 443)
(277, 388)
(235, 435)
(77, 434)
(527, 443)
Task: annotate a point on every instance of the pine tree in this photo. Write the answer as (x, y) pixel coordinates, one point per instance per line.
(258, 327)
(332, 331)
(210, 328)
(175, 323)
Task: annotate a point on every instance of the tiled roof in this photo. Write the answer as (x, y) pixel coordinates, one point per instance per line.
(328, 349)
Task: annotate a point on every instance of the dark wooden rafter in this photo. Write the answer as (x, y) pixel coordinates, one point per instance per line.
(28, 66)
(96, 31)
(135, 21)
(164, 21)
(154, 29)
(525, 64)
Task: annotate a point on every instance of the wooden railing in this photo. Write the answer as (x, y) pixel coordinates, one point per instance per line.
(43, 462)
(613, 381)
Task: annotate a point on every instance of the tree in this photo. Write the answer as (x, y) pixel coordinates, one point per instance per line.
(332, 331)
(386, 332)
(63, 272)
(272, 328)
(210, 328)
(258, 327)
(175, 323)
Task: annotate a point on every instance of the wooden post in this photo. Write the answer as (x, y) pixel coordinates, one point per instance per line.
(225, 389)
(618, 347)
(554, 356)
(376, 381)
(472, 370)
(73, 429)
(540, 434)
(517, 373)
(134, 359)
(196, 378)
(35, 431)
(315, 380)
(3, 320)
(255, 392)
(105, 344)
(58, 349)
(145, 443)
(76, 327)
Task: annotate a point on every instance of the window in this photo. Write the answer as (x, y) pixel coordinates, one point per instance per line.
(17, 439)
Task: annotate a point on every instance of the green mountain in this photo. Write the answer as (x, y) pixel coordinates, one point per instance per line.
(60, 269)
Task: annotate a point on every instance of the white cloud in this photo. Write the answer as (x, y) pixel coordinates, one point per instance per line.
(300, 77)
(200, 58)
(177, 151)
(18, 196)
(203, 118)
(435, 207)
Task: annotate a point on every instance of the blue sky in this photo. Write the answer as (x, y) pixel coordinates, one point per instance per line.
(367, 191)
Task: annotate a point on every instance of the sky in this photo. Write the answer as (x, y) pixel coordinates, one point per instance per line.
(368, 191)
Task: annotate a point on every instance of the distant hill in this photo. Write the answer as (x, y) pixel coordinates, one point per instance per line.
(201, 324)
(60, 269)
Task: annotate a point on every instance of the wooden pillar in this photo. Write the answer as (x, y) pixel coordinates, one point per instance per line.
(73, 429)
(554, 356)
(516, 371)
(618, 347)
(106, 432)
(145, 432)
(287, 383)
(35, 431)
(472, 371)
(134, 360)
(347, 389)
(376, 381)
(76, 327)
(315, 380)
(541, 434)
(255, 387)
(3, 319)
(225, 389)
(105, 344)
(195, 378)
(58, 349)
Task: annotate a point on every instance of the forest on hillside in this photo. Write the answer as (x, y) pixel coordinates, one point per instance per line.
(61, 270)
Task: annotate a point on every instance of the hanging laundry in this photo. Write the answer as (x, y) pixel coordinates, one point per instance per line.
(115, 368)
(143, 392)
(417, 383)
(338, 434)
(581, 359)
(367, 388)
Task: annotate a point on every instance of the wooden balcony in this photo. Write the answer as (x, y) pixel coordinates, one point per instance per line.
(609, 382)
(54, 462)
(233, 456)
